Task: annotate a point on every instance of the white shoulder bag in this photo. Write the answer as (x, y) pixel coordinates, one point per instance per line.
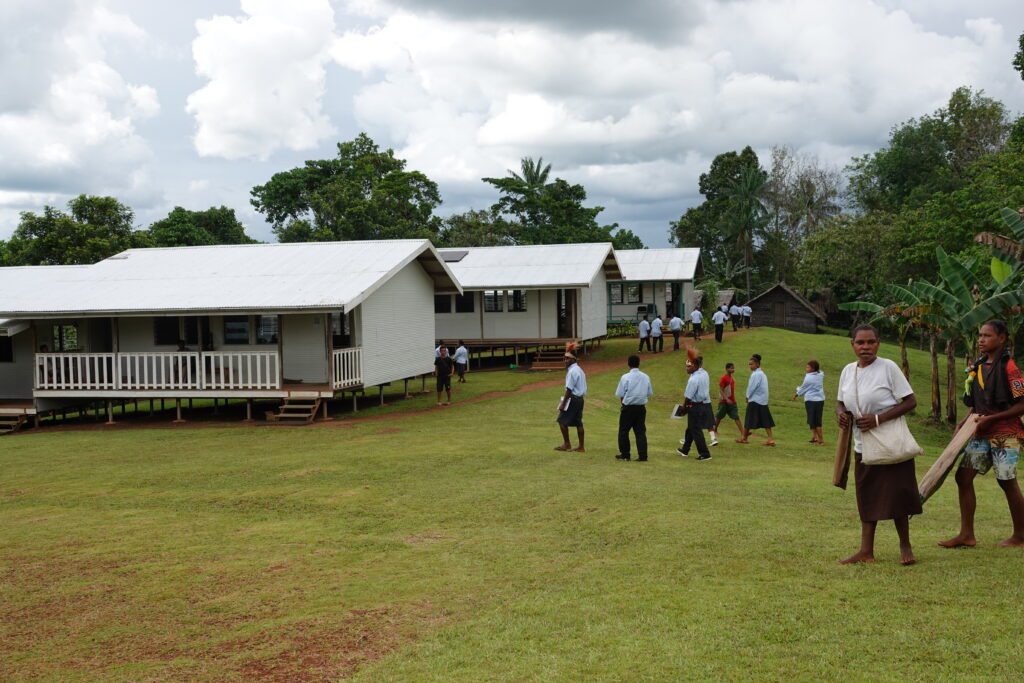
(890, 442)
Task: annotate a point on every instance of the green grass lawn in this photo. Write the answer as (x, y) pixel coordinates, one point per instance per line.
(455, 544)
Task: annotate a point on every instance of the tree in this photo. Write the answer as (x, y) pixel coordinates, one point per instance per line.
(745, 212)
(184, 228)
(541, 212)
(93, 229)
(710, 226)
(930, 154)
(362, 194)
(1018, 59)
(474, 229)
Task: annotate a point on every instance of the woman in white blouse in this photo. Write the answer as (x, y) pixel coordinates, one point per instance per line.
(876, 388)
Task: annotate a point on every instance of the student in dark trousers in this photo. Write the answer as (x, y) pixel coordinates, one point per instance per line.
(633, 391)
(719, 319)
(698, 416)
(645, 335)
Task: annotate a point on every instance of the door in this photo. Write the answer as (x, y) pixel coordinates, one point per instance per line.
(304, 348)
(779, 314)
(566, 301)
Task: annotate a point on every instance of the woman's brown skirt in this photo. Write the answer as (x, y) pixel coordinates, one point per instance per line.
(886, 491)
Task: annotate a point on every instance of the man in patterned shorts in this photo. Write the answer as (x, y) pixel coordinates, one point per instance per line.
(995, 390)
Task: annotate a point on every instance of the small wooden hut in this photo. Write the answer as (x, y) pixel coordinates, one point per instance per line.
(780, 306)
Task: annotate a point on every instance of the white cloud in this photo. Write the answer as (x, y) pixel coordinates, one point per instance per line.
(67, 117)
(266, 74)
(464, 93)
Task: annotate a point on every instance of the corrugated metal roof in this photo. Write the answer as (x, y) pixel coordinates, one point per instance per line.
(657, 265)
(267, 277)
(540, 266)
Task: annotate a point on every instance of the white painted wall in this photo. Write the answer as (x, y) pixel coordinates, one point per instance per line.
(548, 313)
(304, 348)
(397, 324)
(16, 377)
(514, 325)
(593, 311)
(457, 326)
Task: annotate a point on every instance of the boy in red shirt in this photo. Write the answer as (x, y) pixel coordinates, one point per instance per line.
(727, 399)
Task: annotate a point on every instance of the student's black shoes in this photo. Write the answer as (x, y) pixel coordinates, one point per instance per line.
(702, 458)
(620, 456)
(683, 453)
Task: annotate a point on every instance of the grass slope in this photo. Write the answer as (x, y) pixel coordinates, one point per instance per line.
(456, 545)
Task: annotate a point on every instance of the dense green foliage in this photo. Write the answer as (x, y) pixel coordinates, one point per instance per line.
(184, 228)
(92, 229)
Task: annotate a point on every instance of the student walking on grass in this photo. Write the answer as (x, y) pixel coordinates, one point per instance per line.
(570, 408)
(645, 335)
(872, 392)
(758, 416)
(696, 319)
(736, 314)
(995, 392)
(675, 325)
(444, 368)
(748, 312)
(695, 403)
(813, 391)
(719, 319)
(657, 339)
(461, 361)
(727, 399)
(633, 391)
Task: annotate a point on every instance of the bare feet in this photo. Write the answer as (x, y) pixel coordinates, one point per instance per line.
(769, 443)
(859, 557)
(742, 441)
(1012, 542)
(564, 447)
(959, 541)
(907, 556)
(581, 449)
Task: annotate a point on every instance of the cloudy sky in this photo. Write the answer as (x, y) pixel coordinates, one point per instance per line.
(191, 103)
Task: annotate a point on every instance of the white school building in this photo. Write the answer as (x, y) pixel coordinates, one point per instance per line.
(256, 321)
(527, 295)
(654, 281)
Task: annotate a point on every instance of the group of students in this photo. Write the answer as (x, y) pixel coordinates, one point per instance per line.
(652, 332)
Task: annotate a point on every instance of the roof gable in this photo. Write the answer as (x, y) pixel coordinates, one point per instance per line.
(657, 265)
(793, 294)
(540, 266)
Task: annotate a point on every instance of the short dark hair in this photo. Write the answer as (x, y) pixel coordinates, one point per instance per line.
(729, 365)
(633, 361)
(462, 343)
(999, 326)
(756, 358)
(698, 362)
(440, 343)
(864, 328)
(814, 365)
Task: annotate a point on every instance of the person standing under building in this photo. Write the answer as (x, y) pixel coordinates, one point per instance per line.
(696, 320)
(719, 319)
(657, 339)
(645, 335)
(675, 325)
(633, 391)
(461, 361)
(736, 314)
(747, 313)
(570, 408)
(696, 396)
(444, 368)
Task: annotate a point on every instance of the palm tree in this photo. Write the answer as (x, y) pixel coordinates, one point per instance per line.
(747, 212)
(533, 174)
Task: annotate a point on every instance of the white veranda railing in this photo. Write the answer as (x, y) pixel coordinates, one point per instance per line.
(348, 367)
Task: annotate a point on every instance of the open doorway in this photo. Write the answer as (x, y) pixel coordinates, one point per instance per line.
(566, 302)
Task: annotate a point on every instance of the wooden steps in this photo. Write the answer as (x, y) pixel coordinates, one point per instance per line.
(549, 360)
(297, 411)
(11, 423)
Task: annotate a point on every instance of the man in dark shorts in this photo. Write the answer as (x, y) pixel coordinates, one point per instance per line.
(727, 399)
(444, 368)
(570, 408)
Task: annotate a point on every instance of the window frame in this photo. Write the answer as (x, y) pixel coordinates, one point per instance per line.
(442, 303)
(639, 293)
(235, 319)
(612, 288)
(494, 301)
(162, 325)
(6, 350)
(517, 294)
(460, 302)
(258, 329)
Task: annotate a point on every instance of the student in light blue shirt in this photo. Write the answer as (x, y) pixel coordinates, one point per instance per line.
(570, 408)
(461, 359)
(633, 391)
(758, 416)
(698, 408)
(813, 391)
